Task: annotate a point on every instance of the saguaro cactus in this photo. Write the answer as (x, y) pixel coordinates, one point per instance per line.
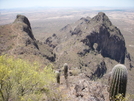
(58, 76)
(66, 70)
(118, 81)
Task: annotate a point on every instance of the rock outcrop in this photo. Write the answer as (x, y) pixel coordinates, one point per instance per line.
(90, 91)
(110, 42)
(100, 71)
(24, 31)
(52, 41)
(99, 30)
(22, 43)
(27, 28)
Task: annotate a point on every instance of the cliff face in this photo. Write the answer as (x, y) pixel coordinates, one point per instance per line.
(88, 43)
(110, 42)
(25, 38)
(108, 38)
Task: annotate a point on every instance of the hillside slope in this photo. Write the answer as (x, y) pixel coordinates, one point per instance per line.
(17, 39)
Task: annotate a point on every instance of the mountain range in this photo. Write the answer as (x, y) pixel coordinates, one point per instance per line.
(91, 46)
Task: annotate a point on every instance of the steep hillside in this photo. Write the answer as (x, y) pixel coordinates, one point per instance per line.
(18, 40)
(92, 45)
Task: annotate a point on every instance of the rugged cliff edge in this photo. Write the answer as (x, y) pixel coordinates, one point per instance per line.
(108, 38)
(17, 39)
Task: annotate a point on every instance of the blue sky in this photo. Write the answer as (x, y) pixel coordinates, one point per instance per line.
(6, 4)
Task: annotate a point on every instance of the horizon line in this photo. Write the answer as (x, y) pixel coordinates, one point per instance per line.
(66, 7)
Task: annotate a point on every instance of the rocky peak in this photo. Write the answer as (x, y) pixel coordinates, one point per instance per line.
(101, 18)
(25, 24)
(22, 19)
(110, 42)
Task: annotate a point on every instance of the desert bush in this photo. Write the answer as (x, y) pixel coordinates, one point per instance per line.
(22, 81)
(120, 97)
(75, 72)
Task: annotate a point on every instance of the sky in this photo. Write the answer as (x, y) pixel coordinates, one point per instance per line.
(7, 4)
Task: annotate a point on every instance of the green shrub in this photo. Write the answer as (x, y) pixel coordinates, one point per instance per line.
(128, 97)
(22, 81)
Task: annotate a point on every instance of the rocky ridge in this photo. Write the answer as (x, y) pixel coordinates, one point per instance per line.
(88, 35)
(100, 31)
(19, 41)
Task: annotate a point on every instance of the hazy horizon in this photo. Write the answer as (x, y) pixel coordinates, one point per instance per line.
(11, 4)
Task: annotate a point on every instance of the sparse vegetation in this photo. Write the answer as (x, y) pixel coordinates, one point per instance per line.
(21, 81)
(75, 72)
(120, 97)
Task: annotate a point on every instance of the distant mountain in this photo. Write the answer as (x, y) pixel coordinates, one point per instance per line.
(18, 40)
(87, 35)
(93, 45)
